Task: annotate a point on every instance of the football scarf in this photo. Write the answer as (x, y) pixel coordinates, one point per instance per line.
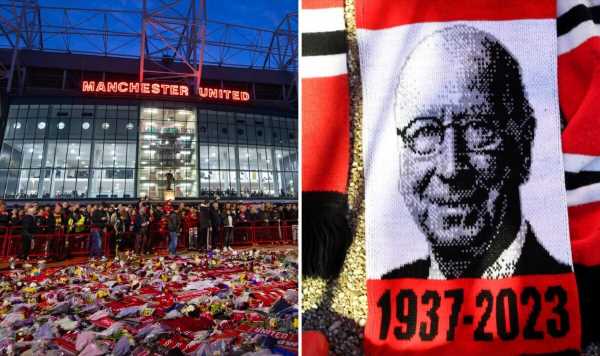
(465, 205)
(578, 30)
(325, 138)
(442, 311)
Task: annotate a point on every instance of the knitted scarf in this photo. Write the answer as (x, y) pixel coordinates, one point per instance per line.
(468, 245)
(325, 138)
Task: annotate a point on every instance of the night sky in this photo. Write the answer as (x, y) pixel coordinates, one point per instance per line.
(257, 13)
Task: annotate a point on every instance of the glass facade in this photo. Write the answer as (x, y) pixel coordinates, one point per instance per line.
(69, 151)
(167, 145)
(247, 155)
(125, 151)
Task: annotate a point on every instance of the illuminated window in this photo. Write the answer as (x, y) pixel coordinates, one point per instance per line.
(167, 144)
(249, 163)
(55, 155)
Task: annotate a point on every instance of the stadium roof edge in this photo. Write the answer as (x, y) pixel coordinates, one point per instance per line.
(97, 63)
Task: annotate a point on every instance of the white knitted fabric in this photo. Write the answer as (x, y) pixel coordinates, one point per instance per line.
(393, 238)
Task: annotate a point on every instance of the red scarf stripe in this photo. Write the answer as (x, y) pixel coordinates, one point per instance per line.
(584, 226)
(583, 129)
(321, 4)
(577, 71)
(397, 13)
(325, 107)
(579, 95)
(325, 133)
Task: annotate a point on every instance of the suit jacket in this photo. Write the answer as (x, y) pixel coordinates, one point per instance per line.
(534, 259)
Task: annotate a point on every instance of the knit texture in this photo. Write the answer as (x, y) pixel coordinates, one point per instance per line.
(578, 52)
(325, 139)
(578, 29)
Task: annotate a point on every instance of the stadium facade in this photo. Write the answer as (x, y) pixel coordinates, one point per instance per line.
(78, 126)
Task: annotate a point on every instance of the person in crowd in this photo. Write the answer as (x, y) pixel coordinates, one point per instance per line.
(99, 221)
(65, 212)
(56, 218)
(275, 214)
(142, 222)
(5, 218)
(121, 227)
(262, 213)
(50, 220)
(79, 220)
(203, 227)
(71, 220)
(134, 228)
(215, 224)
(253, 214)
(41, 219)
(28, 228)
(113, 215)
(287, 212)
(158, 212)
(228, 220)
(191, 221)
(242, 214)
(154, 220)
(17, 215)
(88, 211)
(55, 225)
(4, 215)
(173, 228)
(42, 223)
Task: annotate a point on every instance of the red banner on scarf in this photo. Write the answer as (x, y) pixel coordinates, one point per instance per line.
(531, 314)
(381, 14)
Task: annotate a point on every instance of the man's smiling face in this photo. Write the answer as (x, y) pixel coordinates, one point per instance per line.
(453, 144)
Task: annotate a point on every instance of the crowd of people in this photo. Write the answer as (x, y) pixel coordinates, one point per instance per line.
(136, 227)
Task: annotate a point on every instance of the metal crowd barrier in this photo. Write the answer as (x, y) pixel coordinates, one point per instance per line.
(59, 244)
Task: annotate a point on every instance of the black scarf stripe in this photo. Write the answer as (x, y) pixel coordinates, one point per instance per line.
(575, 16)
(326, 234)
(581, 179)
(324, 43)
(588, 279)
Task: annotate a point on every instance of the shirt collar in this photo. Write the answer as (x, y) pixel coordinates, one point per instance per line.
(503, 267)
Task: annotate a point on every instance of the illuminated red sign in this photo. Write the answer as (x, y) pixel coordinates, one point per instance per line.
(134, 88)
(224, 94)
(91, 86)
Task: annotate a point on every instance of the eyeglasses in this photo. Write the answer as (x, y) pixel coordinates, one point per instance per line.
(424, 135)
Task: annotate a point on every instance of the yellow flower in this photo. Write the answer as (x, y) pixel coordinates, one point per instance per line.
(273, 323)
